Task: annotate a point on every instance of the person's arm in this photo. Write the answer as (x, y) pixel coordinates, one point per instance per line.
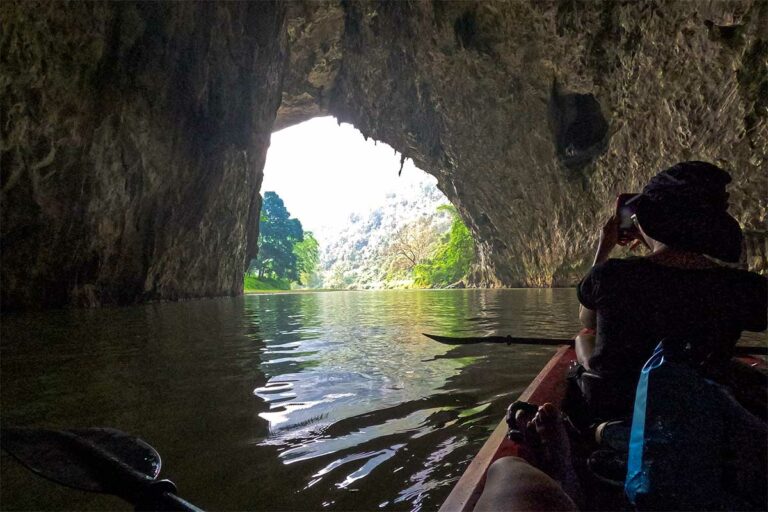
(588, 317)
(609, 238)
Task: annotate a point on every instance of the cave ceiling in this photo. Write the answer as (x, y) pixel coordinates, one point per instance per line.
(535, 115)
(135, 133)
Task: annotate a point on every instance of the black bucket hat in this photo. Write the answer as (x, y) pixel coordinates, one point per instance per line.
(686, 207)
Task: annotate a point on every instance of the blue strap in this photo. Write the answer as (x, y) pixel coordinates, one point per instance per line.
(637, 480)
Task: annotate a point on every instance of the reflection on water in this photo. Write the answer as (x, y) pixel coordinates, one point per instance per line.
(280, 402)
(358, 395)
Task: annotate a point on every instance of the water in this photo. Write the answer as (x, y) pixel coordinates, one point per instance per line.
(280, 402)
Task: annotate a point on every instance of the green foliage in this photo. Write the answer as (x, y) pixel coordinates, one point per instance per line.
(307, 258)
(339, 280)
(411, 245)
(278, 235)
(252, 283)
(452, 258)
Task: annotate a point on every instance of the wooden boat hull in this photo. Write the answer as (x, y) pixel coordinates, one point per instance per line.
(548, 386)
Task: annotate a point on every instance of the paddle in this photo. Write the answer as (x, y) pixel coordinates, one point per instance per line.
(97, 460)
(506, 340)
(509, 340)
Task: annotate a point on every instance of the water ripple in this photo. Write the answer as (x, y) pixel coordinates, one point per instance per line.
(286, 401)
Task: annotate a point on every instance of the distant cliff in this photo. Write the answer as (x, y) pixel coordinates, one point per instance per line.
(359, 256)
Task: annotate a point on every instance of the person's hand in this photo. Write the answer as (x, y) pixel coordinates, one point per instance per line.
(609, 238)
(638, 242)
(609, 235)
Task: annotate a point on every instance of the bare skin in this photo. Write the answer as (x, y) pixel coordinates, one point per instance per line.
(544, 432)
(512, 483)
(584, 345)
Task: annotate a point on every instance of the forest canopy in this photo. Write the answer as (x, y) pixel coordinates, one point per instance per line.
(452, 257)
(287, 254)
(433, 249)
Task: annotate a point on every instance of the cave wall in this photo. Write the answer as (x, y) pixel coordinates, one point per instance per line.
(134, 133)
(133, 139)
(535, 115)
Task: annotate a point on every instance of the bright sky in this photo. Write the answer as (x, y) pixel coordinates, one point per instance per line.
(324, 172)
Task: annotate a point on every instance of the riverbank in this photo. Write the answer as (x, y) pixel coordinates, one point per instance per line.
(297, 290)
(253, 286)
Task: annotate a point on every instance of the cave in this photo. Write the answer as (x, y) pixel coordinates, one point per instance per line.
(134, 134)
(579, 128)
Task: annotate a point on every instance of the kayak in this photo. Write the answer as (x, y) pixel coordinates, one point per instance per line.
(548, 386)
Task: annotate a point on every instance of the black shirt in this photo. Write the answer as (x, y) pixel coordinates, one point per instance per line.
(639, 302)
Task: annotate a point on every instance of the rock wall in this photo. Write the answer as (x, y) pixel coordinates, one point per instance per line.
(535, 115)
(134, 134)
(133, 138)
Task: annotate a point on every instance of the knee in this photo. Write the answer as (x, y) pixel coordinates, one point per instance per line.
(509, 468)
(513, 484)
(519, 471)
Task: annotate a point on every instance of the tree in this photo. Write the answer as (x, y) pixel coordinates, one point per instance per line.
(278, 234)
(307, 257)
(412, 245)
(451, 260)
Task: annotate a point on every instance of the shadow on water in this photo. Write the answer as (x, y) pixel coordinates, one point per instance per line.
(178, 375)
(280, 402)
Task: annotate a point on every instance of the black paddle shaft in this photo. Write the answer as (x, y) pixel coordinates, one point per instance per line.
(738, 350)
(505, 340)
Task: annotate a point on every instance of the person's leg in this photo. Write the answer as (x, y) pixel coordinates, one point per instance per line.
(513, 484)
(585, 347)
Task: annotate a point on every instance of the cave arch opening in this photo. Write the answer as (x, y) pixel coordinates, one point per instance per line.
(377, 219)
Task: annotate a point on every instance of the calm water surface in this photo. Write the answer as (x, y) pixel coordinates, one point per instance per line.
(280, 402)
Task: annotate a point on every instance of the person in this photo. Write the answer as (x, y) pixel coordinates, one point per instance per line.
(678, 290)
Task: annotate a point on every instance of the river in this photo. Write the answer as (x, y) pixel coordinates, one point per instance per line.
(305, 401)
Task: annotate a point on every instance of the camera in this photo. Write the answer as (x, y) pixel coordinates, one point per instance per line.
(625, 209)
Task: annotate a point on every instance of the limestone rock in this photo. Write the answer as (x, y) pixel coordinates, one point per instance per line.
(134, 134)
(535, 115)
(133, 138)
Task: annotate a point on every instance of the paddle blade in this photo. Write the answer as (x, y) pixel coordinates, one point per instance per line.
(63, 455)
(453, 340)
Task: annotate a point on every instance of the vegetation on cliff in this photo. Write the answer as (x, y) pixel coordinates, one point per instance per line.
(287, 254)
(450, 261)
(415, 239)
(377, 249)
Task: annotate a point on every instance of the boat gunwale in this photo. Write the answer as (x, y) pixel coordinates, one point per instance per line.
(466, 492)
